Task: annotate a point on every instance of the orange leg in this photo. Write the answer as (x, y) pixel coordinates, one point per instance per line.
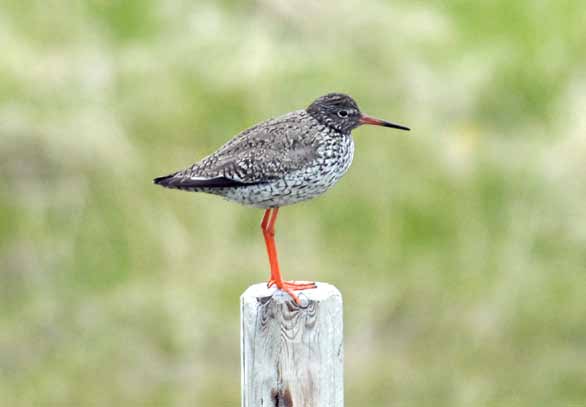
(268, 230)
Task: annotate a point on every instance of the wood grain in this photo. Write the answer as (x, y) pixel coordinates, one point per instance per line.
(292, 355)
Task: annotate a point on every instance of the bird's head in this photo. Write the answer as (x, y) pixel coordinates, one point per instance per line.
(341, 112)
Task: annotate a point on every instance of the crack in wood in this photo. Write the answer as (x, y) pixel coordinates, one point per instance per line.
(281, 398)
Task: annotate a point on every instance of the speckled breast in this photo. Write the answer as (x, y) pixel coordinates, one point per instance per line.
(334, 157)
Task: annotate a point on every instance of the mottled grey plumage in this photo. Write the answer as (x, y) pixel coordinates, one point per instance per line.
(281, 161)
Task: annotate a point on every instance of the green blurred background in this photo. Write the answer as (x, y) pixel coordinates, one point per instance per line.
(460, 249)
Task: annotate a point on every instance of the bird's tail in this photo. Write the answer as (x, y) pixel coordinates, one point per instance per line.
(196, 183)
(163, 181)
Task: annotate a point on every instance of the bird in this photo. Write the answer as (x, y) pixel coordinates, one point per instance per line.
(281, 161)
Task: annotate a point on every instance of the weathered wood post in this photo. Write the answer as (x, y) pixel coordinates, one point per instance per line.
(292, 355)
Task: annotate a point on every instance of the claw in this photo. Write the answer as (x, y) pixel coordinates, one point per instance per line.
(290, 286)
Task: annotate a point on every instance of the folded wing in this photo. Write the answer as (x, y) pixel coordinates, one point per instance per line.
(260, 154)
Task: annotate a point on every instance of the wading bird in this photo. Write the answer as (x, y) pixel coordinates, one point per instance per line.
(279, 162)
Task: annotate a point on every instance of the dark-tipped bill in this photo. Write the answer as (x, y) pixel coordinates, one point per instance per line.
(378, 122)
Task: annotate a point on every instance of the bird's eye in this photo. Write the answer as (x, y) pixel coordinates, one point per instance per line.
(343, 113)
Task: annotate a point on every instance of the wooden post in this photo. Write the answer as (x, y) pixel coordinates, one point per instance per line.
(292, 355)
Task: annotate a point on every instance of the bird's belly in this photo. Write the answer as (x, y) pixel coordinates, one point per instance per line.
(299, 185)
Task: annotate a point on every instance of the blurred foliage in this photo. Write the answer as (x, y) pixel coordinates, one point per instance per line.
(460, 249)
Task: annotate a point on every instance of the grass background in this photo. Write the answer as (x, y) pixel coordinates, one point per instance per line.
(460, 249)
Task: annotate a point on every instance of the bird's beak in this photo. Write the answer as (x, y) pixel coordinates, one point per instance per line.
(378, 122)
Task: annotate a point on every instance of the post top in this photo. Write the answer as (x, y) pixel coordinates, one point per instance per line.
(323, 292)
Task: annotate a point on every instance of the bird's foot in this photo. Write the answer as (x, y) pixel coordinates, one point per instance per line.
(290, 286)
(294, 285)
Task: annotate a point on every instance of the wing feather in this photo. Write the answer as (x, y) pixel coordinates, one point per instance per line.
(260, 154)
